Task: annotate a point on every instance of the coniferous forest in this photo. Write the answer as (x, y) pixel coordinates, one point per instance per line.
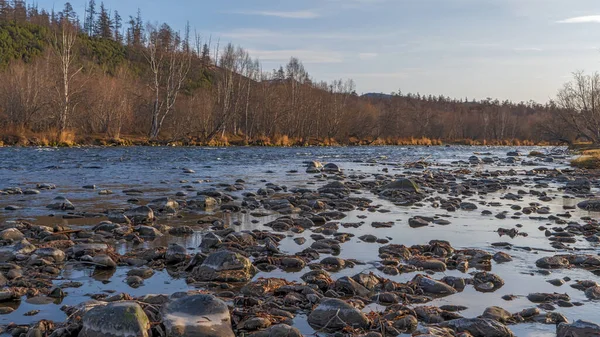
(103, 77)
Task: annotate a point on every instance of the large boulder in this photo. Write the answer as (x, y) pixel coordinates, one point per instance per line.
(333, 314)
(199, 315)
(225, 266)
(479, 327)
(578, 329)
(117, 319)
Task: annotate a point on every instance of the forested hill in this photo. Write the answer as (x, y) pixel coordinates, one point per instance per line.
(100, 76)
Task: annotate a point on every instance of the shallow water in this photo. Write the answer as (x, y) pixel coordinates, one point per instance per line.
(158, 172)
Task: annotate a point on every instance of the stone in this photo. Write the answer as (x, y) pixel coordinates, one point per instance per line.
(256, 323)
(280, 330)
(61, 204)
(141, 214)
(348, 286)
(556, 282)
(11, 234)
(104, 261)
(148, 232)
(431, 286)
(54, 253)
(497, 313)
(479, 327)
(209, 240)
(175, 254)
(225, 266)
(578, 329)
(552, 262)
(198, 315)
(116, 319)
(468, 206)
(590, 205)
(593, 293)
(402, 184)
(417, 222)
(501, 257)
(331, 168)
(333, 314)
(428, 264)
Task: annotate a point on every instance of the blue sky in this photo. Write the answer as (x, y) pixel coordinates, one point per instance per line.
(506, 49)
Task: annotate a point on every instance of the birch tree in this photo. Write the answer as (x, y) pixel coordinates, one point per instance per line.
(63, 46)
(169, 67)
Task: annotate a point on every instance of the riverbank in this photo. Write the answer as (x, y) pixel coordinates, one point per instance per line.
(70, 139)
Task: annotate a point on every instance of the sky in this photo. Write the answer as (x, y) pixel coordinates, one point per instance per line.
(507, 49)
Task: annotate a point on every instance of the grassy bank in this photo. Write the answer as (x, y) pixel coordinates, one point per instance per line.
(69, 138)
(588, 159)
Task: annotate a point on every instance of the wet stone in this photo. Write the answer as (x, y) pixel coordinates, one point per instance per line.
(118, 319)
(334, 315)
(197, 316)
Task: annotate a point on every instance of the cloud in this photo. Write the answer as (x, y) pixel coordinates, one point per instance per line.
(284, 15)
(527, 49)
(261, 34)
(306, 56)
(582, 19)
(390, 75)
(367, 56)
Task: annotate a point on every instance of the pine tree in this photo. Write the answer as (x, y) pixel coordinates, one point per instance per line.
(139, 28)
(5, 10)
(90, 18)
(135, 30)
(68, 13)
(104, 24)
(205, 57)
(19, 11)
(118, 27)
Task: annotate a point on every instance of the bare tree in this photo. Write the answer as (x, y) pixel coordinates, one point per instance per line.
(169, 65)
(579, 102)
(63, 44)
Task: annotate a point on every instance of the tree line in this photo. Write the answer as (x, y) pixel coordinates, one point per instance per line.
(107, 79)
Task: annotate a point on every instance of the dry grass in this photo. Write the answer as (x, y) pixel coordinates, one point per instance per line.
(22, 137)
(591, 152)
(589, 159)
(587, 162)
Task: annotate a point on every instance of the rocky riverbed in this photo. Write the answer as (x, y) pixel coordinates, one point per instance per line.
(382, 241)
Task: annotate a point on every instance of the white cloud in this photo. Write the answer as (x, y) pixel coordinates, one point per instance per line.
(582, 19)
(306, 56)
(367, 56)
(285, 15)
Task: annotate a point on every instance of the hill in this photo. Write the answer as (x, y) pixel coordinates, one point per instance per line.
(62, 81)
